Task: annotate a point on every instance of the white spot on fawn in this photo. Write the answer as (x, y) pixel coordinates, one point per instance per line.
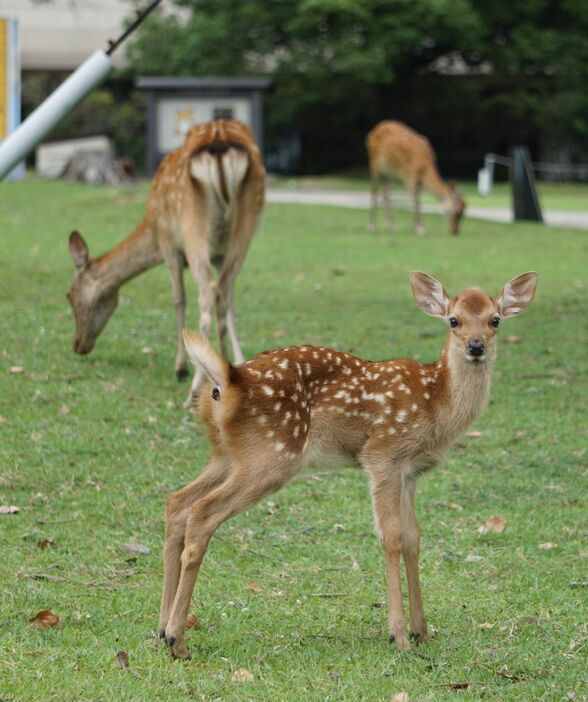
(267, 390)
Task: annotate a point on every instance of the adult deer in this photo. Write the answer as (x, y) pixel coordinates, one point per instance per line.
(284, 409)
(202, 209)
(397, 151)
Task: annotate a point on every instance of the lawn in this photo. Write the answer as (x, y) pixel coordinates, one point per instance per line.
(292, 591)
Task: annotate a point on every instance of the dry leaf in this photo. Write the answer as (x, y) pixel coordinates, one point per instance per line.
(493, 524)
(513, 339)
(400, 697)
(253, 586)
(192, 622)
(459, 686)
(471, 558)
(122, 658)
(474, 434)
(9, 509)
(63, 410)
(278, 333)
(242, 675)
(135, 548)
(15, 370)
(146, 350)
(45, 543)
(485, 625)
(548, 545)
(44, 619)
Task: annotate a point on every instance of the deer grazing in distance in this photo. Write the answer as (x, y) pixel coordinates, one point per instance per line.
(202, 210)
(284, 409)
(397, 151)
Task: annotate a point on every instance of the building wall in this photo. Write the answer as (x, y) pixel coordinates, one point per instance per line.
(60, 34)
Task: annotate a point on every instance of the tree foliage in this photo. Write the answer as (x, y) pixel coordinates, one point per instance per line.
(343, 64)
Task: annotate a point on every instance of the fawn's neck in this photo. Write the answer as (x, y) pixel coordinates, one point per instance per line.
(132, 256)
(464, 389)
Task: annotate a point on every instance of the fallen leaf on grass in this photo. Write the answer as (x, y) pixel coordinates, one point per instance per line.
(253, 586)
(122, 658)
(548, 545)
(45, 543)
(485, 625)
(471, 558)
(459, 686)
(512, 339)
(9, 509)
(192, 622)
(242, 675)
(135, 548)
(64, 410)
(278, 333)
(508, 676)
(146, 350)
(44, 619)
(400, 697)
(493, 524)
(474, 434)
(16, 370)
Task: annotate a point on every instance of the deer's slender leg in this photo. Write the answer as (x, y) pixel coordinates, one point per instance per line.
(415, 190)
(388, 205)
(203, 274)
(242, 229)
(178, 507)
(175, 263)
(373, 204)
(410, 552)
(386, 486)
(244, 486)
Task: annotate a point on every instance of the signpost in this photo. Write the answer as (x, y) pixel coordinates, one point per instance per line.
(10, 84)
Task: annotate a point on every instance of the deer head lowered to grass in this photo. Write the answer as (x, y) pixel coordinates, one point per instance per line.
(202, 210)
(283, 409)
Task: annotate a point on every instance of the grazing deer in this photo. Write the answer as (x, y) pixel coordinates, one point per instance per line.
(397, 151)
(202, 209)
(283, 409)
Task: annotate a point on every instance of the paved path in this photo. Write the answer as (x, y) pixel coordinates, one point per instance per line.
(361, 200)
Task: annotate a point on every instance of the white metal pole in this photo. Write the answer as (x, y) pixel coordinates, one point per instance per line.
(92, 72)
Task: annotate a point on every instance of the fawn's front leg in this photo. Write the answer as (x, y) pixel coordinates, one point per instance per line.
(386, 491)
(410, 552)
(178, 507)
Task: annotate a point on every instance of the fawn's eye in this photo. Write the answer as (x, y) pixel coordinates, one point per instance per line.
(495, 322)
(453, 322)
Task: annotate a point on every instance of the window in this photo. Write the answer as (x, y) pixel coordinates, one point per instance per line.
(222, 113)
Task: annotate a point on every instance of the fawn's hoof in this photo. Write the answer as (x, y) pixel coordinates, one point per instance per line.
(401, 642)
(177, 648)
(182, 374)
(162, 633)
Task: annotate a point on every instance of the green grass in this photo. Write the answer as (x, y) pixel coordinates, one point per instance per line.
(552, 196)
(91, 446)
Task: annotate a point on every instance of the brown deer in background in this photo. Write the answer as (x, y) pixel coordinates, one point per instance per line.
(202, 210)
(280, 411)
(397, 151)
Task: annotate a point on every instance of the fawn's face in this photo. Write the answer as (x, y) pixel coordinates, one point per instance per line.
(473, 316)
(473, 321)
(91, 309)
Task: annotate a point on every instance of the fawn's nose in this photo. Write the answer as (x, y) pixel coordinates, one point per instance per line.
(476, 347)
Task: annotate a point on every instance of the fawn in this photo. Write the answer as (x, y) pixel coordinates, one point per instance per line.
(397, 151)
(276, 413)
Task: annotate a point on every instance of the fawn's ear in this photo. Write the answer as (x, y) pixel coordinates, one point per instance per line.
(517, 294)
(79, 250)
(429, 295)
